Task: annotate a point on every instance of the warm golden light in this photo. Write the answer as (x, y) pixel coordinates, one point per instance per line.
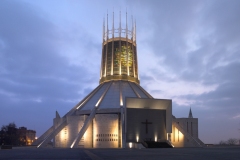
(130, 145)
(121, 102)
(105, 138)
(137, 138)
(179, 137)
(121, 99)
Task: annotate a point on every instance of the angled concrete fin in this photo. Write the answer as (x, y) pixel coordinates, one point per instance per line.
(84, 128)
(43, 136)
(52, 134)
(82, 102)
(57, 115)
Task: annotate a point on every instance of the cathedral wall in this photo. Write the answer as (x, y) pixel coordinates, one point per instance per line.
(60, 140)
(67, 135)
(87, 138)
(190, 129)
(190, 125)
(105, 131)
(177, 137)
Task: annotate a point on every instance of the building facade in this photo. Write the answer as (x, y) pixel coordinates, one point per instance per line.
(26, 136)
(11, 135)
(119, 113)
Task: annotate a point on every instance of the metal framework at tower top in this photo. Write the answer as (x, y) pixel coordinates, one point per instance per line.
(120, 32)
(119, 52)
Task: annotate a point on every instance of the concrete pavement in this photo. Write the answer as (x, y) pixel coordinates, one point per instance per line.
(223, 153)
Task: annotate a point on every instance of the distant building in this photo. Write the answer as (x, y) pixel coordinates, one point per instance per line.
(26, 137)
(11, 135)
(119, 113)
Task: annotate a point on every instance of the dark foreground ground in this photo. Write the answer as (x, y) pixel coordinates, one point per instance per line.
(228, 153)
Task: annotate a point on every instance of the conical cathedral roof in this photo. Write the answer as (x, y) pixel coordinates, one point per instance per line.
(119, 70)
(112, 94)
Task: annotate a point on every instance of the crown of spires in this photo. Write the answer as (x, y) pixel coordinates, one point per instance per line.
(119, 52)
(119, 31)
(190, 114)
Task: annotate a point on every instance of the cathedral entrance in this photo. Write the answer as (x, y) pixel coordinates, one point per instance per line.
(145, 125)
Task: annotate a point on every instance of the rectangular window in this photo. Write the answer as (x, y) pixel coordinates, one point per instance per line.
(191, 129)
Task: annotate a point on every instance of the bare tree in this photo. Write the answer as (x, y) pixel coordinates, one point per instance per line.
(12, 124)
(8, 134)
(222, 142)
(232, 141)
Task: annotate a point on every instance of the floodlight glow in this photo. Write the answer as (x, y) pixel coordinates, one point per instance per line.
(130, 145)
(137, 138)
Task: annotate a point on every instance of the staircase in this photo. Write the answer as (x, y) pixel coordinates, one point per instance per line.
(195, 141)
(160, 144)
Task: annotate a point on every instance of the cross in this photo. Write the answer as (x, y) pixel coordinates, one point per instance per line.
(146, 125)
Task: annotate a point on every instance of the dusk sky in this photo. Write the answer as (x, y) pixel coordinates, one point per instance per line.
(188, 51)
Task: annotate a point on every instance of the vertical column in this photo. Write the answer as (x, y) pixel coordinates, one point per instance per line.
(106, 49)
(123, 128)
(121, 97)
(103, 38)
(122, 117)
(133, 51)
(119, 131)
(178, 135)
(93, 139)
(136, 59)
(112, 44)
(127, 46)
(120, 47)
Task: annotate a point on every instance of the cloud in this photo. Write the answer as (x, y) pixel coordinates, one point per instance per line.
(35, 71)
(188, 51)
(236, 117)
(196, 47)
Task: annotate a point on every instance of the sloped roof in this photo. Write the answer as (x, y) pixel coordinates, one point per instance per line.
(112, 94)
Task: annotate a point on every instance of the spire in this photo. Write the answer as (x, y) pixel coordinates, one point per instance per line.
(104, 36)
(190, 114)
(57, 115)
(107, 26)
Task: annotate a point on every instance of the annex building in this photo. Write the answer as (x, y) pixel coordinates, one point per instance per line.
(119, 113)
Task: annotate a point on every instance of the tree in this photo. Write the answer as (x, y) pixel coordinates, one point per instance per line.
(8, 134)
(232, 141)
(12, 125)
(222, 142)
(4, 128)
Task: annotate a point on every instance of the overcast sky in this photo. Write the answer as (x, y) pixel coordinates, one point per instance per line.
(188, 51)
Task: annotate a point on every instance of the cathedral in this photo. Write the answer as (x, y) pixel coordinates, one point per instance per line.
(119, 113)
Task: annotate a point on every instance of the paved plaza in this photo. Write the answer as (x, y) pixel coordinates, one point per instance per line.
(223, 153)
